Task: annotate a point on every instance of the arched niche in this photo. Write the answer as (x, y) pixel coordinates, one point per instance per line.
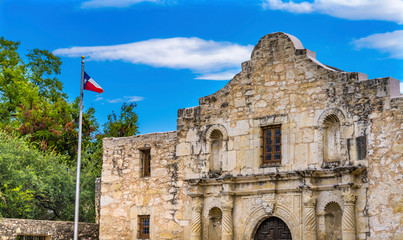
(331, 127)
(331, 139)
(333, 221)
(214, 223)
(216, 151)
(210, 204)
(216, 146)
(325, 197)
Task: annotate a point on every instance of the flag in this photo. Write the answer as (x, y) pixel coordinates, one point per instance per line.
(91, 85)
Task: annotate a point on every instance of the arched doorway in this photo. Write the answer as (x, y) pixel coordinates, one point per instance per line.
(273, 228)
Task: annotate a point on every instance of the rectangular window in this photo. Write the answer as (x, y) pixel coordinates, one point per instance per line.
(144, 226)
(145, 162)
(271, 145)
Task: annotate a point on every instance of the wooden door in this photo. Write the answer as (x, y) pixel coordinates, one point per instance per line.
(273, 228)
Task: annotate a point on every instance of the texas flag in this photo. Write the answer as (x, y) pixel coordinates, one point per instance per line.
(91, 85)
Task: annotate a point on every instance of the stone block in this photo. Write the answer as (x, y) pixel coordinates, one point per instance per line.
(183, 149)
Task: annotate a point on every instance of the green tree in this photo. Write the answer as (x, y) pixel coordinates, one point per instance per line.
(123, 125)
(32, 101)
(37, 167)
(33, 184)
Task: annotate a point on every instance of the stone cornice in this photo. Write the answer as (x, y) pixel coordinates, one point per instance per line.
(277, 176)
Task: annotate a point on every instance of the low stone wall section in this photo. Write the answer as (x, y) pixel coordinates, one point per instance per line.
(10, 228)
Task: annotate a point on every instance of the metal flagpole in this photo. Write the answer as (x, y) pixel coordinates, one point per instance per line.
(79, 154)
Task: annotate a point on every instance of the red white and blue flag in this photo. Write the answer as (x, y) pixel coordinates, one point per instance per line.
(91, 85)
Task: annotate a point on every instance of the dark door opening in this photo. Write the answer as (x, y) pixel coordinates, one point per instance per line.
(273, 228)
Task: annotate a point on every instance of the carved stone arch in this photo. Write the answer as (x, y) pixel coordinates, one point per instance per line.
(327, 197)
(214, 203)
(216, 145)
(331, 129)
(331, 111)
(332, 221)
(259, 215)
(218, 127)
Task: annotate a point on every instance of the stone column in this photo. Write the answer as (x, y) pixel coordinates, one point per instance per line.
(227, 227)
(197, 203)
(321, 226)
(348, 220)
(309, 200)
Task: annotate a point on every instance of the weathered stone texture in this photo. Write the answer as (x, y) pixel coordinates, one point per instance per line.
(385, 195)
(341, 157)
(126, 194)
(54, 230)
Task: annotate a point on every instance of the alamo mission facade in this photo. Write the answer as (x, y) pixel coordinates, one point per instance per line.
(290, 148)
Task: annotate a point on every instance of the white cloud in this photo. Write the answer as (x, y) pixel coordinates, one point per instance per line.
(227, 75)
(389, 10)
(125, 99)
(390, 43)
(98, 99)
(290, 6)
(133, 98)
(200, 56)
(112, 3)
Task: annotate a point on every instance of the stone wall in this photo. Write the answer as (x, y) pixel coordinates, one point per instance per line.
(126, 194)
(341, 151)
(385, 195)
(54, 230)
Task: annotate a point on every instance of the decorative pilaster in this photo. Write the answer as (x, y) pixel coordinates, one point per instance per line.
(197, 203)
(309, 200)
(227, 205)
(321, 226)
(348, 221)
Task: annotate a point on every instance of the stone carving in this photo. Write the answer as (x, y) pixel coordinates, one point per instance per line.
(286, 201)
(227, 223)
(348, 196)
(328, 196)
(215, 202)
(196, 222)
(349, 218)
(310, 220)
(259, 215)
(196, 218)
(348, 221)
(266, 201)
(309, 198)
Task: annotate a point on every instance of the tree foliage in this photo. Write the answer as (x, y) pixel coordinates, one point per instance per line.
(33, 184)
(39, 138)
(32, 101)
(38, 185)
(123, 125)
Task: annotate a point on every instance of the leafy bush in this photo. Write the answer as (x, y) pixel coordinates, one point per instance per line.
(38, 185)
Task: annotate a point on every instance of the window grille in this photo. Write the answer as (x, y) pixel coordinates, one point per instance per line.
(27, 237)
(271, 145)
(146, 162)
(144, 226)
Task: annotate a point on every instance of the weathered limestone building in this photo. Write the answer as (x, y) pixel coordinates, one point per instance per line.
(289, 149)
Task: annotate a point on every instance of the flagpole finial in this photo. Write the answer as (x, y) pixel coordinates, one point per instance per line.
(82, 57)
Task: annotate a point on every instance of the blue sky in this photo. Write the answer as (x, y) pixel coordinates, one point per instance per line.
(165, 54)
